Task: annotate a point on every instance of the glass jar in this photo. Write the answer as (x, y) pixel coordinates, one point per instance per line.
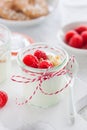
(39, 91)
(5, 39)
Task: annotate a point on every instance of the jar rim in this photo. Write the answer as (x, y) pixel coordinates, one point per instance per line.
(59, 67)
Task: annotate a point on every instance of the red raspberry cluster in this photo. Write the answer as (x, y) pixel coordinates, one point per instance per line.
(37, 60)
(77, 37)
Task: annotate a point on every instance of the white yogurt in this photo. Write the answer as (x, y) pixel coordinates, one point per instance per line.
(49, 86)
(5, 39)
(4, 67)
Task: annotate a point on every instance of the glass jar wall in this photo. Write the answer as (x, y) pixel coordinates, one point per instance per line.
(5, 39)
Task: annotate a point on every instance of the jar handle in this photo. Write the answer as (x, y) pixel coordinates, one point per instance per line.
(72, 66)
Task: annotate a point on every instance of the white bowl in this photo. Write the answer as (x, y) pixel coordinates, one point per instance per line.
(80, 54)
(52, 5)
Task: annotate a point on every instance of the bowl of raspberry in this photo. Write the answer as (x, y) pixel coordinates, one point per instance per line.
(73, 38)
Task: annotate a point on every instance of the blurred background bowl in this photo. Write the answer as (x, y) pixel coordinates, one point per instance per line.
(80, 54)
(52, 5)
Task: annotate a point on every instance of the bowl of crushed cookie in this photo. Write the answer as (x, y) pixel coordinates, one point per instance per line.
(25, 12)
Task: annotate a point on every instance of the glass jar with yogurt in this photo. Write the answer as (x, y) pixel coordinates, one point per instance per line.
(42, 85)
(5, 39)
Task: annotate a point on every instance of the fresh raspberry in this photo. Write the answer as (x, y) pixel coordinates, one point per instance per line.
(69, 35)
(31, 61)
(3, 98)
(45, 64)
(76, 41)
(80, 29)
(84, 36)
(40, 54)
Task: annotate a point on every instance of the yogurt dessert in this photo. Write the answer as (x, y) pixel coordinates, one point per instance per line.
(4, 53)
(4, 64)
(41, 68)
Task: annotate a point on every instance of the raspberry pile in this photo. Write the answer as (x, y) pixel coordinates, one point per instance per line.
(39, 59)
(77, 37)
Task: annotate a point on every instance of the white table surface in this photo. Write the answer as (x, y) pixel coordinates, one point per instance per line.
(13, 116)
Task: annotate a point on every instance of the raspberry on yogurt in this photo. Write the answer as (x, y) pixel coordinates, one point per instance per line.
(31, 60)
(39, 59)
(40, 54)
